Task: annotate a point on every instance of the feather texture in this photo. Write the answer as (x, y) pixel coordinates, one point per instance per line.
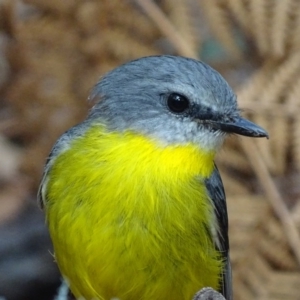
(129, 219)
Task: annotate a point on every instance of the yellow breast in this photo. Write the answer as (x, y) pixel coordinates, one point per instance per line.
(130, 219)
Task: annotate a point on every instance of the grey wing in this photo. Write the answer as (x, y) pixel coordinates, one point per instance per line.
(216, 192)
(41, 191)
(60, 146)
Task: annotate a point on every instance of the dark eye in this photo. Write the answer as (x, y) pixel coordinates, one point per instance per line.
(177, 103)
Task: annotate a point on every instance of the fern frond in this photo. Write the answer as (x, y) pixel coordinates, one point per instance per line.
(293, 97)
(273, 246)
(259, 14)
(280, 26)
(221, 25)
(240, 11)
(182, 16)
(295, 29)
(281, 78)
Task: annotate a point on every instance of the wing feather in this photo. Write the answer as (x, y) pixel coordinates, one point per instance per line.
(216, 192)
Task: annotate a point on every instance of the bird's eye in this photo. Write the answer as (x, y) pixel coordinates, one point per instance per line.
(177, 103)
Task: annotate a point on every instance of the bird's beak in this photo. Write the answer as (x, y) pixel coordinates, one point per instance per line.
(241, 126)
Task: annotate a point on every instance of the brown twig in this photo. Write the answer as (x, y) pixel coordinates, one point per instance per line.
(273, 195)
(166, 27)
(271, 109)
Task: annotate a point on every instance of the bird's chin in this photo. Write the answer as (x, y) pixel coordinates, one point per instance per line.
(210, 140)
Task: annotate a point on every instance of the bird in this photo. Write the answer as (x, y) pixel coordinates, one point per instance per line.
(133, 199)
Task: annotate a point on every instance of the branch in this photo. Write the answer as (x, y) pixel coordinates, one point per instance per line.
(166, 27)
(273, 195)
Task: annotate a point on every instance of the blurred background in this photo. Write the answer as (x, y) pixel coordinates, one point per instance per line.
(51, 54)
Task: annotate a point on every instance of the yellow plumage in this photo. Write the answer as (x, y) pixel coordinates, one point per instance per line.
(129, 218)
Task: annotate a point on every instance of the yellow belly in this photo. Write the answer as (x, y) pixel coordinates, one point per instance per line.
(129, 219)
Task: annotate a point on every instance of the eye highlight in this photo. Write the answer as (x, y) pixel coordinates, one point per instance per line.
(177, 103)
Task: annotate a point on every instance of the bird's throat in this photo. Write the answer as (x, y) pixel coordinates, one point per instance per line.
(138, 153)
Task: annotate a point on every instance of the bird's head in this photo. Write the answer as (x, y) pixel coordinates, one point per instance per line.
(174, 100)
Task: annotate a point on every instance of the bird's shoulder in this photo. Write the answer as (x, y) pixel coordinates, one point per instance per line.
(62, 144)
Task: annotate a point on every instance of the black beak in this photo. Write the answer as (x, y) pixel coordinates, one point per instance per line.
(240, 126)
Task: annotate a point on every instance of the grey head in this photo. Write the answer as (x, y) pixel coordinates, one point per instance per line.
(172, 99)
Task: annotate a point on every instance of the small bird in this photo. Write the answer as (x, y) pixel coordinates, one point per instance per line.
(133, 199)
